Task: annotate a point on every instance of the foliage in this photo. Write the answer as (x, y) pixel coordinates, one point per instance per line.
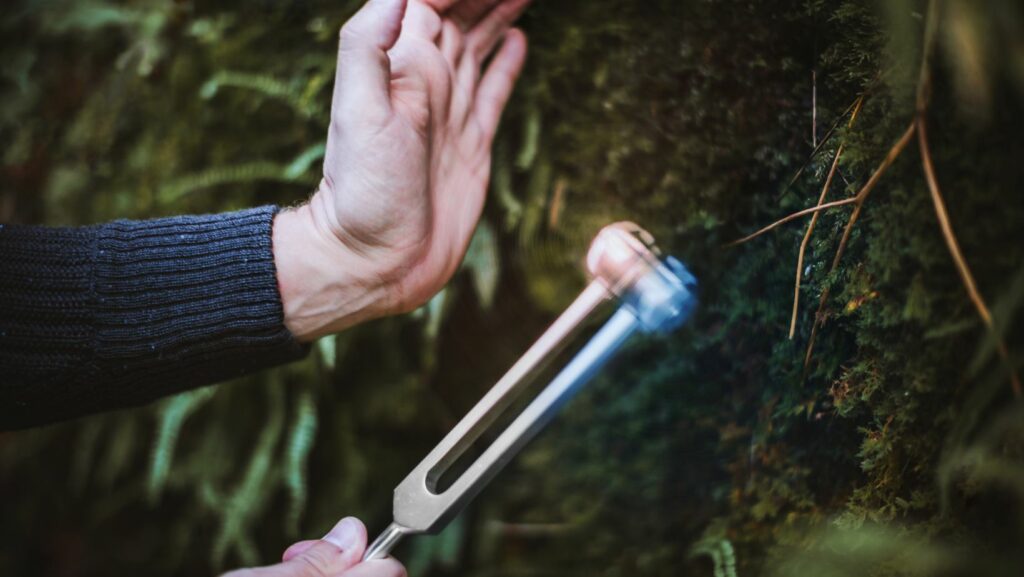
(895, 450)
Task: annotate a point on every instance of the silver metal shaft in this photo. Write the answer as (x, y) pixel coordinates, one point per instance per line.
(385, 542)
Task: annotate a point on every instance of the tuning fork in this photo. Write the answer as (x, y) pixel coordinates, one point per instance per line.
(655, 295)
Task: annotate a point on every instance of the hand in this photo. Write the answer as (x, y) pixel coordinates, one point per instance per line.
(337, 554)
(407, 164)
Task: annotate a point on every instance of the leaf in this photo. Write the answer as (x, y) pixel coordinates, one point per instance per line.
(327, 346)
(300, 445)
(244, 504)
(531, 138)
(172, 415)
(482, 262)
(267, 86)
(302, 162)
(237, 174)
(502, 184)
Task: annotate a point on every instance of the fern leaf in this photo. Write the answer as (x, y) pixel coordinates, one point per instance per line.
(482, 261)
(249, 498)
(531, 139)
(172, 414)
(300, 445)
(298, 167)
(267, 86)
(241, 173)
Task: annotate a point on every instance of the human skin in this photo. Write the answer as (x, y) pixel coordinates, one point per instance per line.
(413, 117)
(337, 553)
(408, 160)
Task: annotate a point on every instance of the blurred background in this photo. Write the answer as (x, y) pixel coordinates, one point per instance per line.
(885, 437)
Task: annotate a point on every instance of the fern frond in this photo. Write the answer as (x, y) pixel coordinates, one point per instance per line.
(298, 167)
(249, 498)
(482, 261)
(721, 552)
(502, 184)
(267, 86)
(300, 445)
(531, 139)
(172, 414)
(248, 172)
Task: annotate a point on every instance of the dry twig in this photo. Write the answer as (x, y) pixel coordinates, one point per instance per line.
(918, 125)
(794, 216)
(923, 98)
(814, 221)
(862, 195)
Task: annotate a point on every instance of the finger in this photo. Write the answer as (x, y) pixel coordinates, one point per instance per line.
(498, 82)
(468, 12)
(377, 568)
(486, 34)
(451, 43)
(467, 76)
(297, 548)
(440, 5)
(341, 549)
(364, 70)
(423, 21)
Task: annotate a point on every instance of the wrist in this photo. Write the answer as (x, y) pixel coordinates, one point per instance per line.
(325, 287)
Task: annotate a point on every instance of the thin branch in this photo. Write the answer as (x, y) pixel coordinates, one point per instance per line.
(924, 77)
(958, 257)
(807, 240)
(814, 108)
(862, 195)
(891, 157)
(894, 152)
(947, 228)
(924, 86)
(814, 221)
(823, 142)
(794, 216)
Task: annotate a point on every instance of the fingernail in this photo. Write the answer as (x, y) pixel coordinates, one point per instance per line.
(344, 535)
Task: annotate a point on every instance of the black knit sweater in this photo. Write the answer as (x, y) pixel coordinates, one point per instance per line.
(116, 315)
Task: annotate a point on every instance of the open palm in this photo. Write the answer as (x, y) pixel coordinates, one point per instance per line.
(409, 149)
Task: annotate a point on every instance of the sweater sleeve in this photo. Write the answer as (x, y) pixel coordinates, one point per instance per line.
(117, 315)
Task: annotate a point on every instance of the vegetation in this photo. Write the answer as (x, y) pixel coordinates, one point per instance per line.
(845, 403)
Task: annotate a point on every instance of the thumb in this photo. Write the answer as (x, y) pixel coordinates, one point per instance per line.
(339, 550)
(364, 69)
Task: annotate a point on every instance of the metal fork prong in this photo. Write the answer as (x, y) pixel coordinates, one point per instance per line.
(499, 397)
(505, 391)
(426, 510)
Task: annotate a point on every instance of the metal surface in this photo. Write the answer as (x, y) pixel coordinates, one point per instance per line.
(386, 541)
(656, 295)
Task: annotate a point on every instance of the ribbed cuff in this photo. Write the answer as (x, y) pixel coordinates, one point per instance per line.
(189, 300)
(117, 315)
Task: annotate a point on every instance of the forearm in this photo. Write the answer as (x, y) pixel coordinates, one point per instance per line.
(117, 315)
